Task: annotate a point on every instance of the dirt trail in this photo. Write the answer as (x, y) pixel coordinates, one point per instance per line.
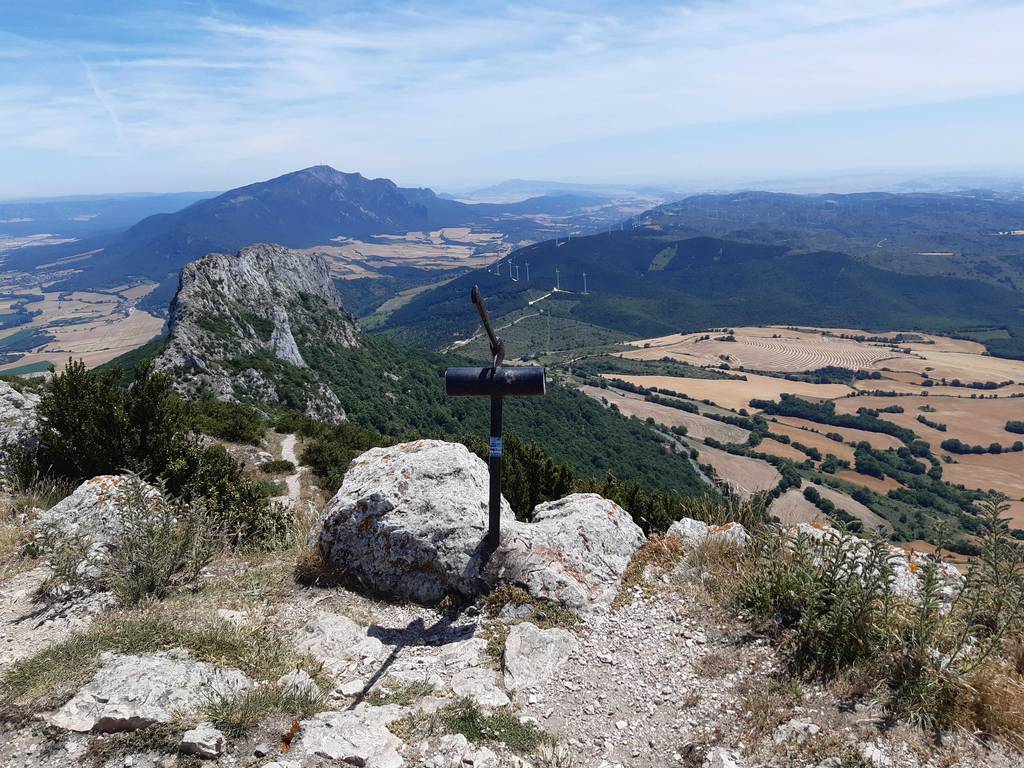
(293, 481)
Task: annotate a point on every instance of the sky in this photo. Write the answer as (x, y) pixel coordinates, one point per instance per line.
(100, 97)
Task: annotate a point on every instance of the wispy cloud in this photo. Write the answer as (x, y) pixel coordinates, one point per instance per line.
(462, 92)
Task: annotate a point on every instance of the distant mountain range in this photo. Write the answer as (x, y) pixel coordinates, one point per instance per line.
(648, 281)
(518, 189)
(306, 208)
(88, 215)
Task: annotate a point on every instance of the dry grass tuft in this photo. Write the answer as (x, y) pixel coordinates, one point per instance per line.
(656, 558)
(998, 702)
(313, 570)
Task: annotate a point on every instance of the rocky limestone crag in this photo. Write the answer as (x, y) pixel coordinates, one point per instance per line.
(237, 317)
(355, 737)
(131, 692)
(574, 552)
(410, 521)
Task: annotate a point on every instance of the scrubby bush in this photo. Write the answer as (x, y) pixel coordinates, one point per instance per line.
(234, 422)
(829, 602)
(162, 545)
(89, 425)
(277, 467)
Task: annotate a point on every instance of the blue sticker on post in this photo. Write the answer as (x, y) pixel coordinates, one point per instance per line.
(495, 447)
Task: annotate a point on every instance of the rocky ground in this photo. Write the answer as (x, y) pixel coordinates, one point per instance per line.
(252, 668)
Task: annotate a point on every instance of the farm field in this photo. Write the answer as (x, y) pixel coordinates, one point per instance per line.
(449, 248)
(850, 434)
(697, 426)
(792, 508)
(814, 439)
(746, 475)
(765, 349)
(738, 394)
(89, 325)
(870, 361)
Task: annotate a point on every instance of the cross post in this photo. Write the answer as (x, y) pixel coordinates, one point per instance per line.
(496, 382)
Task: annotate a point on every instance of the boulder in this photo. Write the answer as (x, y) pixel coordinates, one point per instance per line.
(533, 656)
(131, 692)
(409, 521)
(795, 731)
(695, 533)
(94, 511)
(203, 741)
(357, 737)
(94, 516)
(573, 552)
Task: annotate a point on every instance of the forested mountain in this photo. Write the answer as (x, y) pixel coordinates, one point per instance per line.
(645, 282)
(267, 327)
(973, 234)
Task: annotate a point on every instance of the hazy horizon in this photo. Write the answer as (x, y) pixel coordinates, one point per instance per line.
(698, 95)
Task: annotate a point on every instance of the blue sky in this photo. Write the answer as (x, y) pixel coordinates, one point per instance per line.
(156, 96)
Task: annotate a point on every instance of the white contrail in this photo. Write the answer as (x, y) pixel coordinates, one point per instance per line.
(103, 99)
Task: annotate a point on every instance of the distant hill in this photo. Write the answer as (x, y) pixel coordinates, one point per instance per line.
(951, 235)
(645, 282)
(301, 209)
(513, 189)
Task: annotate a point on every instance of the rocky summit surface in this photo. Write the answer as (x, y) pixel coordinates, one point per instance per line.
(240, 320)
(575, 658)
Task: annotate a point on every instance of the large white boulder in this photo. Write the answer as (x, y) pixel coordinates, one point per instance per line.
(131, 692)
(410, 520)
(95, 516)
(574, 552)
(94, 510)
(533, 655)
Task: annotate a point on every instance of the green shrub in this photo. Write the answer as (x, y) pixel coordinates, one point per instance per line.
(162, 545)
(234, 422)
(277, 467)
(938, 656)
(91, 426)
(236, 505)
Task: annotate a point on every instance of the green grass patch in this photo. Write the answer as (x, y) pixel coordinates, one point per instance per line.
(245, 710)
(53, 674)
(465, 717)
(403, 694)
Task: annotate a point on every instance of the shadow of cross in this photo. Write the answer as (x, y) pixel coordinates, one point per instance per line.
(416, 633)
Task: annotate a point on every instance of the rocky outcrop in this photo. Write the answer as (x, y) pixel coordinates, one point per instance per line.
(353, 737)
(239, 324)
(17, 413)
(695, 532)
(131, 692)
(574, 552)
(410, 520)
